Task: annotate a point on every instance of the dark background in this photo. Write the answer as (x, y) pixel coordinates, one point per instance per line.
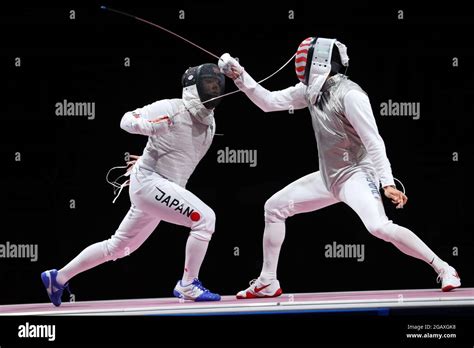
(65, 158)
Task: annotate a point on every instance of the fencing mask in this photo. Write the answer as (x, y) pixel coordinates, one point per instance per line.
(316, 59)
(209, 81)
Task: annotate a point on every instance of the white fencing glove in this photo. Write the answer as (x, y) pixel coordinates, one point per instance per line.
(230, 66)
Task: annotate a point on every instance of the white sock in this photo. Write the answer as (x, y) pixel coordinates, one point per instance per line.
(195, 251)
(90, 257)
(273, 238)
(438, 264)
(410, 244)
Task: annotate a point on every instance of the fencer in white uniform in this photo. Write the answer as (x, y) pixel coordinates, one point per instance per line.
(352, 159)
(179, 131)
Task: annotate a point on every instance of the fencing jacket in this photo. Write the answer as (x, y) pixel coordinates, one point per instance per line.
(180, 131)
(343, 123)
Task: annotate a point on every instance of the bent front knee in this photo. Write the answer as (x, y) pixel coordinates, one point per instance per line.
(276, 211)
(204, 225)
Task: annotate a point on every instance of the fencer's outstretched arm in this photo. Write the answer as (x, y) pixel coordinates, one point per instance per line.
(149, 120)
(359, 113)
(286, 99)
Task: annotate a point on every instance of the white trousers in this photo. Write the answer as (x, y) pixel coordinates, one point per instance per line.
(360, 192)
(153, 199)
(156, 199)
